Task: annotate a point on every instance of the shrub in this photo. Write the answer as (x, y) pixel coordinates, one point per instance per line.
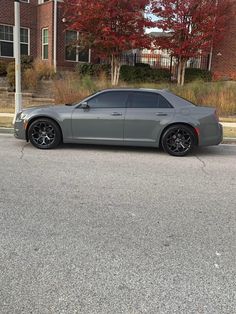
(3, 68)
(43, 70)
(67, 91)
(11, 74)
(142, 65)
(30, 79)
(139, 74)
(193, 74)
(94, 70)
(87, 84)
(26, 62)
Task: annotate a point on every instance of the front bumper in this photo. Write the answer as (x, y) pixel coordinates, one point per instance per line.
(19, 130)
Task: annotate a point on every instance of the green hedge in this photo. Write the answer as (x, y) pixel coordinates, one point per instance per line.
(193, 74)
(141, 72)
(94, 70)
(137, 74)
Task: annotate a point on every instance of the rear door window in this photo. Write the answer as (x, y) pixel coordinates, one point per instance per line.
(143, 100)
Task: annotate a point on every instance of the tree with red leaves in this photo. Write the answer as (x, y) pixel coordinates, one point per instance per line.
(109, 27)
(193, 27)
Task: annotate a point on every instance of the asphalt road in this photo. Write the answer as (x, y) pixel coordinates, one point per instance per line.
(116, 230)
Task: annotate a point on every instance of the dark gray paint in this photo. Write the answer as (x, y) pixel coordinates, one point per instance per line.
(126, 126)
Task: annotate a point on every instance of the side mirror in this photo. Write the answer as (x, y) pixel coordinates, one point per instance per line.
(84, 105)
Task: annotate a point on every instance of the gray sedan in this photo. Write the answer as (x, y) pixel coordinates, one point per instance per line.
(132, 117)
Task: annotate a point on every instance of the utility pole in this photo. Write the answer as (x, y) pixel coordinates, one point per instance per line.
(55, 37)
(18, 94)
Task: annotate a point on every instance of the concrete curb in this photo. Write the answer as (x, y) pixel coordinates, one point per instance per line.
(229, 140)
(6, 130)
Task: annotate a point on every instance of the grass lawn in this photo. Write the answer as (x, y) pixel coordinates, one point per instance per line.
(6, 122)
(228, 119)
(229, 132)
(6, 110)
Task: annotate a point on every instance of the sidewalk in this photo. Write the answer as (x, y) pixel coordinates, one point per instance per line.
(6, 115)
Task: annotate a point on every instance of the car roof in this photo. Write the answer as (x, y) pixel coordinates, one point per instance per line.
(131, 89)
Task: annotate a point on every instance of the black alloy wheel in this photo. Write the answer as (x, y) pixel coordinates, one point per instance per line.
(178, 140)
(44, 134)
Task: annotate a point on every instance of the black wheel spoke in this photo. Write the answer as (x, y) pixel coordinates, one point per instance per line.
(43, 134)
(178, 141)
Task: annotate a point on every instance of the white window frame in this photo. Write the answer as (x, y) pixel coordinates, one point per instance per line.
(77, 50)
(42, 1)
(44, 44)
(9, 41)
(28, 39)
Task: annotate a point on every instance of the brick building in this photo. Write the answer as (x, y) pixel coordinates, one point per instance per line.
(40, 26)
(38, 33)
(224, 53)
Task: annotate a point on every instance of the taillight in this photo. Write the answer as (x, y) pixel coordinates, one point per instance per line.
(197, 132)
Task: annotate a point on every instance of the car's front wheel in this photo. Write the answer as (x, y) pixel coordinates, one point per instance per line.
(178, 140)
(44, 134)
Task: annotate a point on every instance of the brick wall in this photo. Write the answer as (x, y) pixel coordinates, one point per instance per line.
(224, 55)
(45, 20)
(28, 18)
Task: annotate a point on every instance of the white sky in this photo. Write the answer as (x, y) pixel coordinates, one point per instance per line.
(154, 18)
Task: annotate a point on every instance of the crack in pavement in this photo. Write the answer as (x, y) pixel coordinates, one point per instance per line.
(203, 167)
(23, 151)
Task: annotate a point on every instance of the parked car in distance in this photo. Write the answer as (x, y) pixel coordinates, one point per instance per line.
(132, 117)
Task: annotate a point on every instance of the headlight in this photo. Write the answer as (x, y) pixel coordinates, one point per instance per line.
(22, 115)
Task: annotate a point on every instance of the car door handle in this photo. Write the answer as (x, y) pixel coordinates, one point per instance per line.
(161, 114)
(116, 114)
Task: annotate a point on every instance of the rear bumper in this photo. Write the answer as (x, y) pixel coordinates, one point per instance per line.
(19, 130)
(211, 135)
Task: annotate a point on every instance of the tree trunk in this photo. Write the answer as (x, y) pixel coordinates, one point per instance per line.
(115, 70)
(112, 69)
(179, 71)
(183, 73)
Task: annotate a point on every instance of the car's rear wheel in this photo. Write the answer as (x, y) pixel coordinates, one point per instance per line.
(178, 140)
(44, 134)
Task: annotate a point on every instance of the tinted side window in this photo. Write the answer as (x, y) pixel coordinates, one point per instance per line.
(109, 100)
(143, 100)
(163, 103)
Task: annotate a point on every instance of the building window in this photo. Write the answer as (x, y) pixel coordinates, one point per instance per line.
(24, 41)
(72, 51)
(7, 39)
(45, 43)
(42, 1)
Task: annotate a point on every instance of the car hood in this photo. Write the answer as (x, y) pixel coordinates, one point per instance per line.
(45, 108)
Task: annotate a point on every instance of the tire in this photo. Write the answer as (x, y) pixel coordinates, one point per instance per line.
(44, 134)
(178, 140)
